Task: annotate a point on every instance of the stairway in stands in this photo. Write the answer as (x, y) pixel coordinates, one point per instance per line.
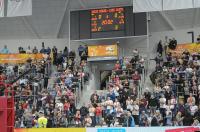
(88, 89)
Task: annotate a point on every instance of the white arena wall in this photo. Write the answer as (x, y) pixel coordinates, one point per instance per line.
(126, 45)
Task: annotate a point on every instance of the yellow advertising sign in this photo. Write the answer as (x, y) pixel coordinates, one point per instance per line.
(19, 58)
(102, 50)
(191, 47)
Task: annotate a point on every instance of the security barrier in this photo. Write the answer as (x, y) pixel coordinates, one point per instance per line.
(145, 129)
(51, 130)
(134, 129)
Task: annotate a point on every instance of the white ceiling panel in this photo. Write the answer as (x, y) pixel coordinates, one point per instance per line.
(48, 14)
(177, 4)
(196, 3)
(147, 5)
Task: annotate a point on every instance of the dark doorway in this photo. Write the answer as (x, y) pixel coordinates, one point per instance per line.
(104, 77)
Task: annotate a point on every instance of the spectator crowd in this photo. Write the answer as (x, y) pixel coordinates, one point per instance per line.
(46, 92)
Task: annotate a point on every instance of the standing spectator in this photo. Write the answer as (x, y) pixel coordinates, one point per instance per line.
(166, 44)
(135, 112)
(162, 102)
(86, 50)
(84, 111)
(191, 100)
(43, 50)
(35, 50)
(77, 118)
(81, 49)
(92, 115)
(198, 39)
(28, 51)
(98, 113)
(72, 55)
(117, 66)
(160, 48)
(136, 77)
(55, 53)
(42, 121)
(130, 121)
(5, 50)
(65, 52)
(48, 50)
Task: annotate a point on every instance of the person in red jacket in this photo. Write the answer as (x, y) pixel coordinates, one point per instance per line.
(136, 77)
(117, 66)
(98, 112)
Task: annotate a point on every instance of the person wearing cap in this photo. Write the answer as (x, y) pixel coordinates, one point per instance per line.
(42, 121)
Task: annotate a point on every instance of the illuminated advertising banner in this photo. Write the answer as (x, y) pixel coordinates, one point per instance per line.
(51, 130)
(144, 129)
(102, 50)
(111, 19)
(19, 58)
(191, 47)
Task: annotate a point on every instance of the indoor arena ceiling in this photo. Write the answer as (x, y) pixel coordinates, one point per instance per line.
(50, 19)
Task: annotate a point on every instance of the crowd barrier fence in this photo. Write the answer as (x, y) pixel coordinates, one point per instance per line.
(102, 129)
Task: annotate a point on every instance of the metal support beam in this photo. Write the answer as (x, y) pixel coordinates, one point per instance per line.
(69, 30)
(61, 19)
(30, 27)
(169, 22)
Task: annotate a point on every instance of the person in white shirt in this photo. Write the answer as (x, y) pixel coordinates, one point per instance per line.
(119, 111)
(29, 51)
(92, 115)
(193, 109)
(162, 102)
(191, 100)
(116, 103)
(88, 121)
(109, 105)
(129, 103)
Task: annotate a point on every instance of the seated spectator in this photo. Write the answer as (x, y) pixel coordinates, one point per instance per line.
(188, 120)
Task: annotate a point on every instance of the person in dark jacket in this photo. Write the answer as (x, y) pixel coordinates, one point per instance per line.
(153, 103)
(160, 47)
(84, 111)
(172, 44)
(55, 53)
(130, 121)
(72, 55)
(65, 52)
(154, 122)
(188, 120)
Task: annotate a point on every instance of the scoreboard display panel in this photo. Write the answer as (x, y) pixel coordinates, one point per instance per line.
(111, 19)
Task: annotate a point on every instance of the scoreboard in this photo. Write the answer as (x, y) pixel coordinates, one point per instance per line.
(111, 19)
